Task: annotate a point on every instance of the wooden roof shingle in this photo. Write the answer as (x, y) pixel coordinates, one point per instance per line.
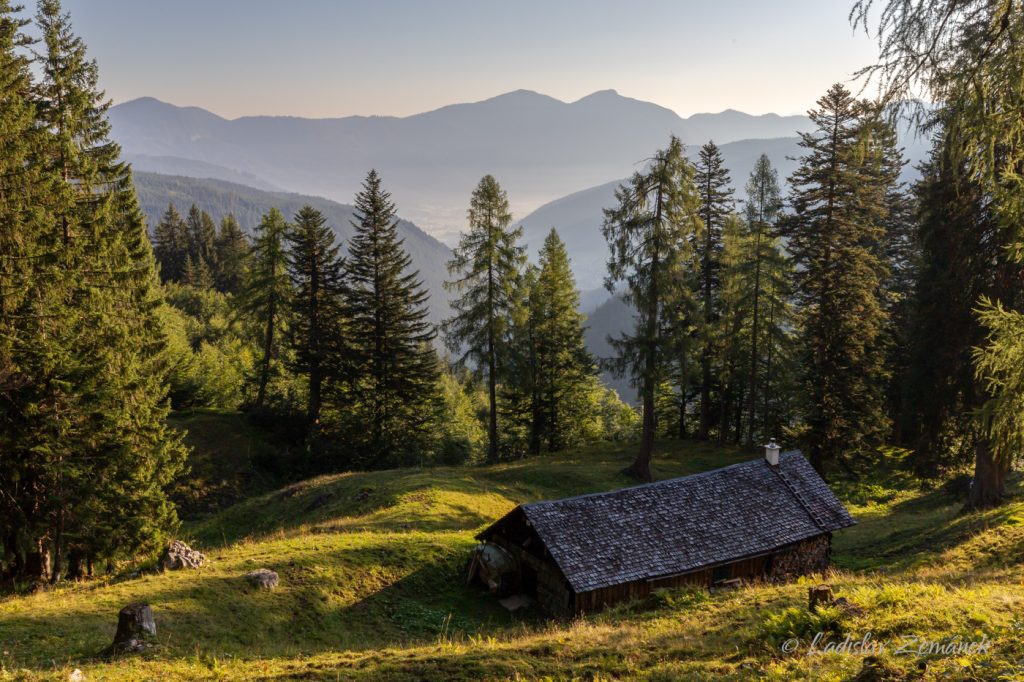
(685, 524)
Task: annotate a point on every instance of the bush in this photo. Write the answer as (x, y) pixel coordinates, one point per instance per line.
(802, 624)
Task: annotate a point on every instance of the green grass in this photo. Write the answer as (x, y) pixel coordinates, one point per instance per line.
(372, 588)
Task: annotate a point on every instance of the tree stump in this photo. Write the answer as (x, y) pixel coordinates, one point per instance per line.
(819, 594)
(262, 578)
(135, 626)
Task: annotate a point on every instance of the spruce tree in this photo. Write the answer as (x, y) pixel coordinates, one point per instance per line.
(564, 365)
(97, 442)
(315, 269)
(838, 197)
(171, 245)
(550, 367)
(27, 254)
(486, 264)
(232, 250)
(397, 370)
(202, 239)
(266, 296)
(650, 234)
(716, 204)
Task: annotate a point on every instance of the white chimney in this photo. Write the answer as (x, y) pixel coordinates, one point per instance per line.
(771, 453)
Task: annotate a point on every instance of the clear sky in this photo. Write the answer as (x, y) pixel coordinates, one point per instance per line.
(325, 58)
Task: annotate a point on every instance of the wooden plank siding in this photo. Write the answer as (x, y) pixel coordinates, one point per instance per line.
(753, 568)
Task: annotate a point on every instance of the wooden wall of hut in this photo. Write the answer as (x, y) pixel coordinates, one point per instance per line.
(802, 558)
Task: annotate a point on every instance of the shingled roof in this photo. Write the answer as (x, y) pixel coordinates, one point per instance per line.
(685, 524)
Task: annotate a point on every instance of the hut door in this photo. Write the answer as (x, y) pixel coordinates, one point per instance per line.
(528, 580)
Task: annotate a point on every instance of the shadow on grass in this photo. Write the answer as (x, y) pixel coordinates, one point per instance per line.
(331, 600)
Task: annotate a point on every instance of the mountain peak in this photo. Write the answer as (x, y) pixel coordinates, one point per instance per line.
(599, 95)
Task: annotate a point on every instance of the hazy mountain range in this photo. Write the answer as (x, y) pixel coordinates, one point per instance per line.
(538, 147)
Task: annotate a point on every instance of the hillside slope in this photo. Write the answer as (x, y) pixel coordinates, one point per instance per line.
(372, 589)
(248, 204)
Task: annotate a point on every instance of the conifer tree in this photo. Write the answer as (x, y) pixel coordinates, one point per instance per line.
(96, 444)
(266, 296)
(550, 365)
(764, 205)
(202, 236)
(965, 56)
(965, 256)
(716, 204)
(26, 243)
(197, 274)
(315, 269)
(650, 234)
(171, 245)
(232, 250)
(397, 370)
(734, 328)
(563, 363)
(486, 264)
(838, 198)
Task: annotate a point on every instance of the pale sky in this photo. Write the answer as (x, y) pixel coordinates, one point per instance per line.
(328, 58)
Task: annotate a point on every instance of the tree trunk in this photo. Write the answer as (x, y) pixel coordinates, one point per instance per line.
(492, 396)
(769, 424)
(268, 346)
(738, 416)
(989, 486)
(316, 380)
(641, 466)
(755, 328)
(682, 398)
(705, 393)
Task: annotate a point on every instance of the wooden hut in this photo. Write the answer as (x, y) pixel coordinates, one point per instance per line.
(769, 518)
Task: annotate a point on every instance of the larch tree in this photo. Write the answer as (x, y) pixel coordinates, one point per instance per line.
(486, 265)
(838, 198)
(764, 205)
(965, 255)
(651, 235)
(394, 388)
(716, 204)
(266, 295)
(965, 56)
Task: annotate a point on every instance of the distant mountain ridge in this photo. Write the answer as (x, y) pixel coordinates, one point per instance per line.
(219, 197)
(538, 147)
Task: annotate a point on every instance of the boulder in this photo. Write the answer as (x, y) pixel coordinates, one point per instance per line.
(76, 675)
(179, 555)
(135, 629)
(262, 578)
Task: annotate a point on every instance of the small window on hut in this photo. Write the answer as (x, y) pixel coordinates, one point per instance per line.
(719, 574)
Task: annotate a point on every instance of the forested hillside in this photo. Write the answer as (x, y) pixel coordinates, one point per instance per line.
(247, 205)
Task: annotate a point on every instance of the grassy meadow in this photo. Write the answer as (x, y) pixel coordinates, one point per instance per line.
(372, 585)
